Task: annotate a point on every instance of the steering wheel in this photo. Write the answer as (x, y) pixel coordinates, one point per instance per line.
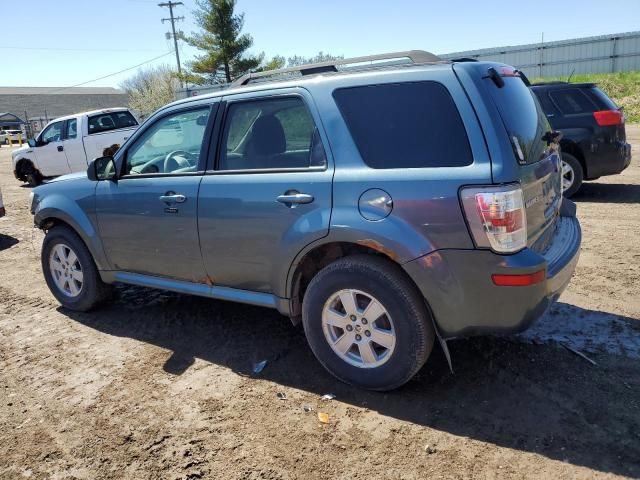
(189, 160)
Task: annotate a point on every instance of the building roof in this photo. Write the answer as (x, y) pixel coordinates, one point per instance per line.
(9, 117)
(60, 91)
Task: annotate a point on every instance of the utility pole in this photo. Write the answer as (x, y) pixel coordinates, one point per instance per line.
(173, 20)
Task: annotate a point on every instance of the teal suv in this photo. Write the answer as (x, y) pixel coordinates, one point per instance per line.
(380, 202)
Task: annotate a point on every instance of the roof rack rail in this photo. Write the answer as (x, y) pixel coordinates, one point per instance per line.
(416, 56)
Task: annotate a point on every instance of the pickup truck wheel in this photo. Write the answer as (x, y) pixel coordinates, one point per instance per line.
(70, 271)
(572, 175)
(367, 323)
(34, 178)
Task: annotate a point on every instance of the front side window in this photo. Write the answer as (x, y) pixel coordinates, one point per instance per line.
(270, 134)
(53, 133)
(405, 125)
(171, 145)
(72, 128)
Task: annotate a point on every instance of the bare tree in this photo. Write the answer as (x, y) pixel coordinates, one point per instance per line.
(150, 89)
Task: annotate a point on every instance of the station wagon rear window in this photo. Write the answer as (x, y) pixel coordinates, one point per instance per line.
(111, 121)
(405, 125)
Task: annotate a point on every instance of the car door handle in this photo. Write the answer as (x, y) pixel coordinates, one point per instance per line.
(60, 148)
(550, 115)
(173, 198)
(291, 199)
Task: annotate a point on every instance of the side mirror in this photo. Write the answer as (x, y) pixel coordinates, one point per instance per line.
(102, 168)
(32, 143)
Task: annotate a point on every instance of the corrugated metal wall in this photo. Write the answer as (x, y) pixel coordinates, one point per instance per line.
(618, 52)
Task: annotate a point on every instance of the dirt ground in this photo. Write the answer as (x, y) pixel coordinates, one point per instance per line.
(159, 385)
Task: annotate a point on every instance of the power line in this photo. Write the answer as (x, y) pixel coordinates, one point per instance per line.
(76, 49)
(173, 20)
(111, 74)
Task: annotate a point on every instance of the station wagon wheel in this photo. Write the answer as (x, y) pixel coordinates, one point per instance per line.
(572, 174)
(568, 176)
(66, 270)
(358, 328)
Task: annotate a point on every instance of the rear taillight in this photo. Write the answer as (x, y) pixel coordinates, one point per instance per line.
(497, 217)
(606, 118)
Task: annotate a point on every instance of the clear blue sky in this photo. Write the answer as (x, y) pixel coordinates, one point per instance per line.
(66, 42)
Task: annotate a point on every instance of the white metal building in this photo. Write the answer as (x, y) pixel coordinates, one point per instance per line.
(617, 52)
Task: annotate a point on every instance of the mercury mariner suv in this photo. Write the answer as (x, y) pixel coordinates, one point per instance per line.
(382, 202)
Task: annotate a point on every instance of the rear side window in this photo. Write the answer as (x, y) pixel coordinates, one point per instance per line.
(267, 134)
(405, 125)
(111, 121)
(572, 101)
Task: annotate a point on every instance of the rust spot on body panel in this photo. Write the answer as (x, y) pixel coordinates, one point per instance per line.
(207, 280)
(378, 247)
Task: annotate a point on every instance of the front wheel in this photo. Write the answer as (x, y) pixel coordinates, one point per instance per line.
(70, 271)
(367, 323)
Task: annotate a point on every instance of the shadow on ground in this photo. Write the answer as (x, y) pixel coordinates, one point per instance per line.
(533, 398)
(608, 193)
(7, 241)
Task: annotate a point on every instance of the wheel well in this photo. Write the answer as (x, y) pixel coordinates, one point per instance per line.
(49, 223)
(572, 148)
(321, 256)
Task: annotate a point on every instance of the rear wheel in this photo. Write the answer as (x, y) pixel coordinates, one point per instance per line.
(367, 323)
(572, 175)
(70, 271)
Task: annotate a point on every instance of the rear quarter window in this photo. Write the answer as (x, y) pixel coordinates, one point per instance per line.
(405, 125)
(572, 101)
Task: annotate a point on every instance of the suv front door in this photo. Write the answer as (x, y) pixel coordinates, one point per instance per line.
(269, 194)
(148, 217)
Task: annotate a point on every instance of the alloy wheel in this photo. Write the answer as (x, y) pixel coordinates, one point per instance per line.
(358, 328)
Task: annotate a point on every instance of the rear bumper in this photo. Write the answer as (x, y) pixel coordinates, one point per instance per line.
(608, 161)
(464, 301)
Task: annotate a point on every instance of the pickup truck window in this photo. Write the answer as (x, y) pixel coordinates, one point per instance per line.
(72, 129)
(53, 133)
(274, 133)
(170, 145)
(111, 121)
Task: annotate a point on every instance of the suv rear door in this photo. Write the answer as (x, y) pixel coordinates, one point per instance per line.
(530, 160)
(268, 194)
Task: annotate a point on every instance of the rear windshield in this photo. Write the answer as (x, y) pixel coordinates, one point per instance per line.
(523, 118)
(405, 125)
(601, 99)
(111, 121)
(573, 101)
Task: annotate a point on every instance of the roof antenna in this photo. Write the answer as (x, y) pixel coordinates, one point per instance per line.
(572, 72)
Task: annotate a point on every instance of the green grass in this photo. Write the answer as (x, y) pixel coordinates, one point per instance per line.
(623, 88)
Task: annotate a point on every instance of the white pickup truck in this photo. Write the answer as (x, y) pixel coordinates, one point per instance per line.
(68, 144)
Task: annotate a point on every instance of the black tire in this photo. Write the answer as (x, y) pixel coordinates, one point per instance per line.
(386, 282)
(578, 174)
(93, 290)
(34, 178)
